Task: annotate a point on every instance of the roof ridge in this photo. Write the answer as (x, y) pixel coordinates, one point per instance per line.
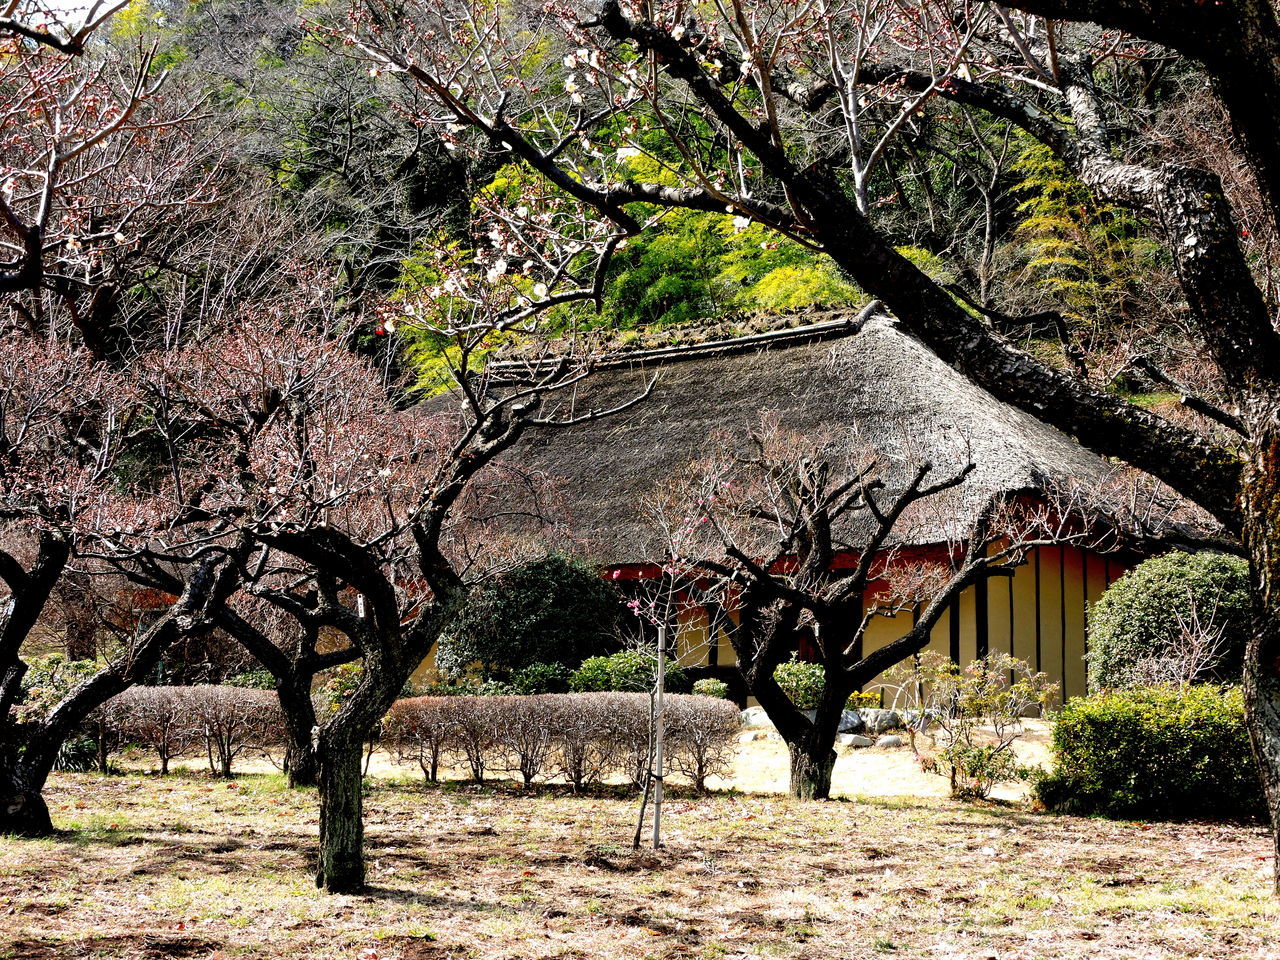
(625, 358)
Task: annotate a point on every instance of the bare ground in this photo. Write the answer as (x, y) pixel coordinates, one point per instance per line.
(190, 867)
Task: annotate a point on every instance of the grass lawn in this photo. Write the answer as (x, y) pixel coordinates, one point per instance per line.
(191, 867)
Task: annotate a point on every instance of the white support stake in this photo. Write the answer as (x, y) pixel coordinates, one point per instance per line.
(658, 725)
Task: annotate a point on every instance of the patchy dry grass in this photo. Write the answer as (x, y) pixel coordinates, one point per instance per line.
(188, 867)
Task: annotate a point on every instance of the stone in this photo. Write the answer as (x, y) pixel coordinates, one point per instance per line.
(892, 740)
(853, 740)
(755, 717)
(751, 735)
(878, 721)
(851, 722)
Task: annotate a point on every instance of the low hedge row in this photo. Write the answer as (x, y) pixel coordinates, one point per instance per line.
(1155, 753)
(217, 722)
(585, 738)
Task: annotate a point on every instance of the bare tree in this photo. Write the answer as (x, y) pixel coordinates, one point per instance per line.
(765, 529)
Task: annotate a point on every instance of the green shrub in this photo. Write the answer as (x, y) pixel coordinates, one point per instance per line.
(47, 681)
(1154, 752)
(541, 678)
(464, 687)
(801, 682)
(971, 717)
(253, 680)
(551, 610)
(629, 671)
(1175, 618)
(710, 687)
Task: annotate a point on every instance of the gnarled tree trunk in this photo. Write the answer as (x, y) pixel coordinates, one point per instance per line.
(812, 763)
(23, 811)
(1262, 662)
(341, 862)
(300, 765)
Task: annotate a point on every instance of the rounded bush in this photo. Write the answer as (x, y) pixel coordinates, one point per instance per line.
(629, 671)
(551, 610)
(1154, 753)
(1154, 612)
(710, 687)
(801, 682)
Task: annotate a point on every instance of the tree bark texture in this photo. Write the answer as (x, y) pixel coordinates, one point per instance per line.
(1262, 662)
(811, 766)
(341, 862)
(300, 765)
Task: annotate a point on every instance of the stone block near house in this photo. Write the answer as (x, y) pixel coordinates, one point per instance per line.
(878, 721)
(755, 718)
(854, 740)
(851, 722)
(892, 740)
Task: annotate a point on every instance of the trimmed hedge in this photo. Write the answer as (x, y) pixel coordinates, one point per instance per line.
(585, 738)
(1154, 753)
(1138, 617)
(217, 722)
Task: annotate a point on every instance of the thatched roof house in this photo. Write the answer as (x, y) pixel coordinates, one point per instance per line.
(896, 395)
(885, 390)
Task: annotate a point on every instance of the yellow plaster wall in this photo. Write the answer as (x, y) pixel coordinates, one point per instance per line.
(1009, 631)
(691, 638)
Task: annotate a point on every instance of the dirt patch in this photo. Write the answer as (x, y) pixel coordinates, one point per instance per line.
(144, 947)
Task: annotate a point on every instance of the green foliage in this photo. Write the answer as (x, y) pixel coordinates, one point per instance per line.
(141, 22)
(693, 266)
(1163, 608)
(340, 684)
(1091, 257)
(1154, 752)
(628, 671)
(667, 276)
(539, 678)
(801, 682)
(48, 680)
(77, 754)
(710, 687)
(972, 717)
(464, 687)
(253, 680)
(552, 610)
(761, 273)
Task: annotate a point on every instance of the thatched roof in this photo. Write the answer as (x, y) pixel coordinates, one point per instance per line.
(894, 394)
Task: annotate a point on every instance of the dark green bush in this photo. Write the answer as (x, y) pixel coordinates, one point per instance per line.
(1146, 614)
(463, 687)
(629, 671)
(1154, 753)
(552, 610)
(541, 678)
